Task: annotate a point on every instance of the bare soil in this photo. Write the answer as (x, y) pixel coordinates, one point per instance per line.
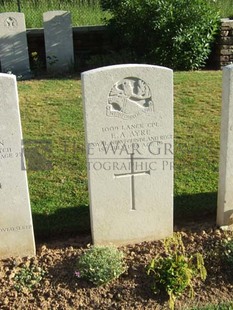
(61, 289)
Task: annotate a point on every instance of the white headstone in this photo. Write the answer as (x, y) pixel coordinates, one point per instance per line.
(13, 44)
(58, 41)
(225, 186)
(16, 230)
(129, 137)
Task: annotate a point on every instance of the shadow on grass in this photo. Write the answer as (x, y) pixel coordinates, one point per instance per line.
(56, 76)
(68, 222)
(195, 207)
(65, 222)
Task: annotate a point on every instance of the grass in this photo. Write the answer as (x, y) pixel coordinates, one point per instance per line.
(52, 119)
(225, 7)
(82, 12)
(197, 123)
(222, 306)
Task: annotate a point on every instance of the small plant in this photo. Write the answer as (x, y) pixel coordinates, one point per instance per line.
(37, 65)
(28, 277)
(229, 252)
(34, 56)
(101, 264)
(176, 271)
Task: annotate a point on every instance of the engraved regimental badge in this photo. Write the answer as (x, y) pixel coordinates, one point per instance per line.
(129, 98)
(11, 23)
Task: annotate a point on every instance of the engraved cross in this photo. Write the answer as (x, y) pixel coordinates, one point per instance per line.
(132, 174)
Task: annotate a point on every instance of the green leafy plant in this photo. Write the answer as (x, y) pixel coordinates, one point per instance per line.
(228, 251)
(37, 65)
(101, 264)
(176, 271)
(173, 33)
(28, 278)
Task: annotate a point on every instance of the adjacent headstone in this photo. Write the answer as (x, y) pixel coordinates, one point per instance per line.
(16, 230)
(225, 187)
(13, 45)
(129, 136)
(58, 41)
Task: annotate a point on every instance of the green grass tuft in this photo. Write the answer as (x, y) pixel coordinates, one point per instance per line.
(225, 7)
(222, 306)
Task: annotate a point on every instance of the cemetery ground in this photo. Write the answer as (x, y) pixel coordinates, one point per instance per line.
(52, 120)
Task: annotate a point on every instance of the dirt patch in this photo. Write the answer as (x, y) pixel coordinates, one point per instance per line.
(61, 289)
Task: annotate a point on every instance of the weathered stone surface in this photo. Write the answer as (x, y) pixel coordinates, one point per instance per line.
(129, 136)
(16, 230)
(224, 58)
(58, 41)
(226, 22)
(226, 52)
(13, 44)
(225, 187)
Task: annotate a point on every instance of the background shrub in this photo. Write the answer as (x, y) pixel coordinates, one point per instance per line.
(172, 33)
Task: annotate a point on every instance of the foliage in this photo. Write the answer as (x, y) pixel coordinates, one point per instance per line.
(36, 63)
(176, 271)
(220, 254)
(101, 264)
(228, 251)
(221, 306)
(28, 278)
(172, 33)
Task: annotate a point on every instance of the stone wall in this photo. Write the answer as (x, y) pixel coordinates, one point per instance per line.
(224, 44)
(94, 40)
(88, 41)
